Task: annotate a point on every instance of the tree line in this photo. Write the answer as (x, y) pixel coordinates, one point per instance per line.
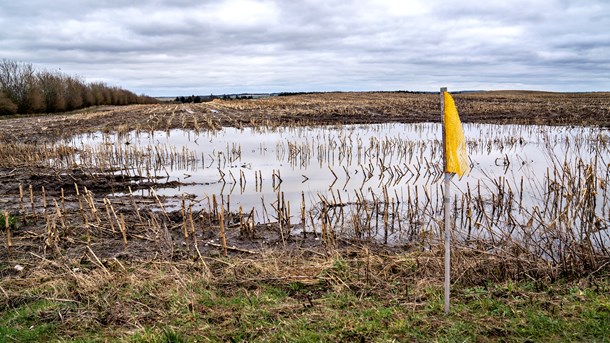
(26, 90)
(191, 99)
(204, 98)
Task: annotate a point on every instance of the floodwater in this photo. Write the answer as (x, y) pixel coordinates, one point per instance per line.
(395, 165)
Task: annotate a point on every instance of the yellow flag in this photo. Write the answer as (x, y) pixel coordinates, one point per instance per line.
(455, 143)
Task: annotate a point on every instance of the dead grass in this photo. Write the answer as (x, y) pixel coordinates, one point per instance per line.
(353, 294)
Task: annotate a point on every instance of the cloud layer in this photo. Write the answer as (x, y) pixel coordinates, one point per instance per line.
(199, 47)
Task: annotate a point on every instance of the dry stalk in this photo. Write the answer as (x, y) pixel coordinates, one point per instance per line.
(9, 241)
(32, 204)
(223, 238)
(123, 228)
(110, 219)
(195, 243)
(21, 201)
(185, 228)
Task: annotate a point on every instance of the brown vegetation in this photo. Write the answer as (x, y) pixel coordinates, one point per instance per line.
(125, 262)
(25, 90)
(6, 105)
(26, 165)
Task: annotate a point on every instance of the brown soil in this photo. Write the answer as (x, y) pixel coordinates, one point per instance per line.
(85, 226)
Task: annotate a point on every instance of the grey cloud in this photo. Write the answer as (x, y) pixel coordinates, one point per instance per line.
(172, 47)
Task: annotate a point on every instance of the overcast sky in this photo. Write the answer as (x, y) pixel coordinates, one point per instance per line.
(201, 47)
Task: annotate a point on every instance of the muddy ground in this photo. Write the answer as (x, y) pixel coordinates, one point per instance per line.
(54, 220)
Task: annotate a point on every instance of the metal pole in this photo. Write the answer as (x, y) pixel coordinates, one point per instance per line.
(447, 240)
(443, 90)
(447, 206)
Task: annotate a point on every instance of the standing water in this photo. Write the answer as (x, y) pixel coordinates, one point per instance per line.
(381, 180)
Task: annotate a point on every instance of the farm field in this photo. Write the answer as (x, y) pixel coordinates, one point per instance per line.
(264, 219)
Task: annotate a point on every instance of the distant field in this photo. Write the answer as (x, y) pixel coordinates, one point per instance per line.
(501, 107)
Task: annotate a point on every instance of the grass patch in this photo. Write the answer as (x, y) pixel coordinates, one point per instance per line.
(32, 322)
(344, 298)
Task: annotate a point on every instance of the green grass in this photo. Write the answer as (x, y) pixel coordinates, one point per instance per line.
(12, 221)
(176, 304)
(269, 314)
(32, 322)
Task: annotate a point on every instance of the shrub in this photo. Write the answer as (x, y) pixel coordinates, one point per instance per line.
(6, 105)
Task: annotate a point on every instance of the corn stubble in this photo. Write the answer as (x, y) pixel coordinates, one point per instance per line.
(500, 232)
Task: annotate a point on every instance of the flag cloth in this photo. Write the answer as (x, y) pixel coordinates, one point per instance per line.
(455, 143)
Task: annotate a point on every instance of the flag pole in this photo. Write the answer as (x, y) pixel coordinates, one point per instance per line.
(447, 203)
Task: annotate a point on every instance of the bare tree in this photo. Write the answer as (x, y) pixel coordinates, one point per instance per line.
(74, 97)
(6, 105)
(53, 94)
(19, 83)
(25, 90)
(87, 95)
(100, 93)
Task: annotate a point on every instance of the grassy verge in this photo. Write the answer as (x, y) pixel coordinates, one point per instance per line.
(352, 296)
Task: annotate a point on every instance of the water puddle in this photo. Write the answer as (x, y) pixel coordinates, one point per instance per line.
(385, 176)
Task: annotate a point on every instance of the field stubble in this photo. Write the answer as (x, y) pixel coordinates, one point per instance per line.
(61, 221)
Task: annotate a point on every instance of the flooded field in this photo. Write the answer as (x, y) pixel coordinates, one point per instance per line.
(379, 181)
(315, 173)
(131, 217)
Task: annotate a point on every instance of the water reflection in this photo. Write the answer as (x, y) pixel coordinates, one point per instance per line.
(394, 168)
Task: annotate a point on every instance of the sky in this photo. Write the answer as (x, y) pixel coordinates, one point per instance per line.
(170, 48)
